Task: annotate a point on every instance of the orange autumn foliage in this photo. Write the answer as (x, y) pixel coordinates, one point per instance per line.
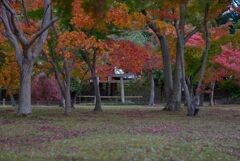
(33, 4)
(10, 74)
(80, 18)
(28, 26)
(74, 42)
(118, 15)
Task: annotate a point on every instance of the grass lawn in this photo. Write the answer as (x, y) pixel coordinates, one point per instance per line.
(134, 133)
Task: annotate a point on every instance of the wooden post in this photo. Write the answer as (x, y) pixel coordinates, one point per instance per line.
(122, 90)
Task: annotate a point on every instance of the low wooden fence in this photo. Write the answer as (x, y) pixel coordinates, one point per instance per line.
(84, 99)
(109, 99)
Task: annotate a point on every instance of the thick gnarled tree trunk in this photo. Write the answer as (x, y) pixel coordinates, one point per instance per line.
(172, 87)
(174, 99)
(26, 50)
(168, 74)
(24, 106)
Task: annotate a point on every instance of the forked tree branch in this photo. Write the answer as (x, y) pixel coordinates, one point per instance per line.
(190, 34)
(16, 29)
(43, 32)
(40, 32)
(10, 36)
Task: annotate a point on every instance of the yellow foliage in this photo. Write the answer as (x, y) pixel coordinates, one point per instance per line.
(164, 28)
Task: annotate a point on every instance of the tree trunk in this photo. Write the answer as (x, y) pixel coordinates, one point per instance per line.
(13, 102)
(174, 103)
(167, 71)
(68, 108)
(152, 89)
(73, 99)
(26, 50)
(60, 84)
(24, 106)
(172, 90)
(98, 105)
(180, 53)
(201, 103)
(205, 56)
(190, 99)
(188, 96)
(212, 94)
(62, 101)
(192, 108)
(177, 87)
(181, 40)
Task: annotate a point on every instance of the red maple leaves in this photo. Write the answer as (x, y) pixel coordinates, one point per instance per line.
(196, 40)
(133, 58)
(45, 89)
(229, 58)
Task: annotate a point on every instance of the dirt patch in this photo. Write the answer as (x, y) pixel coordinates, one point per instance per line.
(7, 141)
(7, 111)
(60, 133)
(135, 114)
(6, 122)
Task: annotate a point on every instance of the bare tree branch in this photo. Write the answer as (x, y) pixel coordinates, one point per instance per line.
(57, 75)
(11, 37)
(40, 32)
(190, 34)
(46, 23)
(25, 12)
(19, 34)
